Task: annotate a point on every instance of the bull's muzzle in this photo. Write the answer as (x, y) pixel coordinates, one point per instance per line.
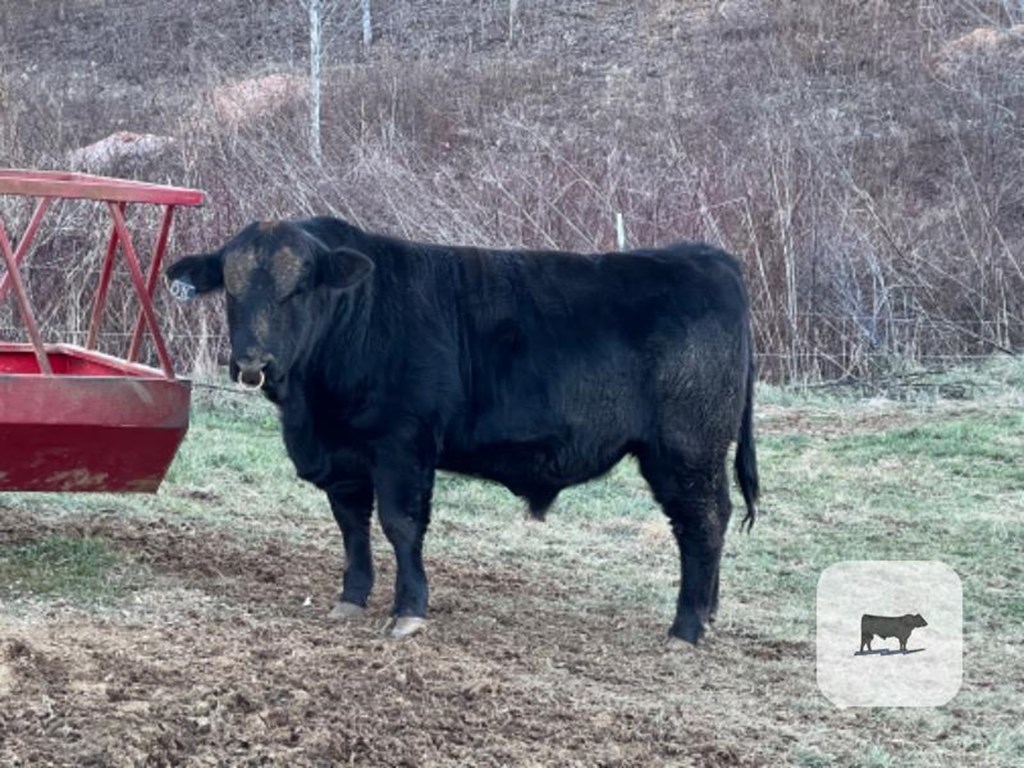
(251, 378)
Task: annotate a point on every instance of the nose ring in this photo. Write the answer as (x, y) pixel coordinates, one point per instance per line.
(246, 385)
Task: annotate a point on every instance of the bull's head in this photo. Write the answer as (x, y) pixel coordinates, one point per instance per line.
(272, 275)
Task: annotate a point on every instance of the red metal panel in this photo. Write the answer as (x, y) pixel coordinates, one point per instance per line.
(100, 302)
(94, 426)
(23, 245)
(72, 360)
(140, 288)
(154, 274)
(93, 458)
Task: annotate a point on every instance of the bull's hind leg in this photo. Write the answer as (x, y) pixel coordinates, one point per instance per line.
(352, 505)
(695, 497)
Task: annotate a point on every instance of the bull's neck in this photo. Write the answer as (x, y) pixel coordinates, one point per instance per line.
(336, 351)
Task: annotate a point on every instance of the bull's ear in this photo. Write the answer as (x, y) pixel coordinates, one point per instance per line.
(342, 268)
(196, 275)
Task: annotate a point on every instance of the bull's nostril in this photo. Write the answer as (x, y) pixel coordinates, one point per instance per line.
(252, 378)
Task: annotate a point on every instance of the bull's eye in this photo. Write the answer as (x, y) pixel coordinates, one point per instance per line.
(288, 296)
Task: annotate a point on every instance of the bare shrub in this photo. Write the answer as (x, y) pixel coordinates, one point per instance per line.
(874, 198)
(251, 99)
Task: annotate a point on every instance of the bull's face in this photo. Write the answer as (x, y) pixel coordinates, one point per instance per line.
(278, 280)
(919, 621)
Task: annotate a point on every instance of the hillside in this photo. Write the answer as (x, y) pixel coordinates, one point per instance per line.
(864, 159)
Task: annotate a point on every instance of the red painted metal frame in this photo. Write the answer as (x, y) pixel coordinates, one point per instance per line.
(13, 277)
(74, 419)
(98, 423)
(83, 186)
(117, 193)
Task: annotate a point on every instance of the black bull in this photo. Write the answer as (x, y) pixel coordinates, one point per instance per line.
(885, 627)
(390, 359)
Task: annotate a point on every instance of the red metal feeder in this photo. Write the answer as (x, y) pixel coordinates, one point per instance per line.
(73, 418)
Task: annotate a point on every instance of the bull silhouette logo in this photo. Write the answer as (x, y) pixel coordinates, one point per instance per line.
(885, 627)
(866, 602)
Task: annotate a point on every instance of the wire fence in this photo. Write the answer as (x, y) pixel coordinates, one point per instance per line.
(844, 356)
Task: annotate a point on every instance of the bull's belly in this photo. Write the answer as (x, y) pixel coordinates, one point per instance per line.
(527, 468)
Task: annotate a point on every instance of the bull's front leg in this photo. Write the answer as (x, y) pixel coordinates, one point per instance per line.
(352, 505)
(404, 485)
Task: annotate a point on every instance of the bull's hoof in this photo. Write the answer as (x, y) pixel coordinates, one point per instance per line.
(405, 626)
(678, 644)
(343, 611)
(687, 629)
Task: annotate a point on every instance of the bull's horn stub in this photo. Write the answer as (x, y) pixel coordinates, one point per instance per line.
(342, 610)
(406, 626)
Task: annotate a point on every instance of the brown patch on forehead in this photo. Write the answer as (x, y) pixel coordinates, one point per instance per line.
(238, 269)
(286, 268)
(268, 226)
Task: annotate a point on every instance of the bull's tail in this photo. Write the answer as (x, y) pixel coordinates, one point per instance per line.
(746, 452)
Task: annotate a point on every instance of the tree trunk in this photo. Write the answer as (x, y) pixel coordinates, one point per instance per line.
(315, 54)
(367, 25)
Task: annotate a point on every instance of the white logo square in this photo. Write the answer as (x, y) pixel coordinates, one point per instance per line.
(890, 633)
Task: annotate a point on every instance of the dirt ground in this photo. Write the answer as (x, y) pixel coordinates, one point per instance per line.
(224, 656)
(228, 659)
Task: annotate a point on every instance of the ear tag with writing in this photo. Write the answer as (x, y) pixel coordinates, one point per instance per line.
(183, 290)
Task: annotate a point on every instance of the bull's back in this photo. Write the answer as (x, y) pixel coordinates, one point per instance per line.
(605, 316)
(601, 292)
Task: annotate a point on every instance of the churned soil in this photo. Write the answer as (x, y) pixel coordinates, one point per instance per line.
(225, 657)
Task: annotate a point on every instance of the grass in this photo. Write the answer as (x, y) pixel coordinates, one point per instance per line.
(876, 757)
(939, 483)
(62, 567)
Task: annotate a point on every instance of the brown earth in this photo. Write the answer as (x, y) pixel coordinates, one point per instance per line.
(220, 653)
(224, 656)
(226, 660)
(242, 670)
